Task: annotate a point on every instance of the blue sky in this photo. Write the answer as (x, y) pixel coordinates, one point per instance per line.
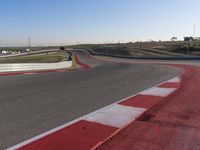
(52, 22)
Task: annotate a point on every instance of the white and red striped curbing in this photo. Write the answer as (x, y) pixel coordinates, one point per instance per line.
(90, 131)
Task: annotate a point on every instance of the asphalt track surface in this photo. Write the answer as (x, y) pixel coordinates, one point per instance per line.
(35, 103)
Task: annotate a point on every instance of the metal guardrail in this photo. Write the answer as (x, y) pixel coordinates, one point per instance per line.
(34, 66)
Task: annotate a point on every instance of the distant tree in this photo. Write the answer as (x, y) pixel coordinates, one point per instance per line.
(188, 38)
(174, 39)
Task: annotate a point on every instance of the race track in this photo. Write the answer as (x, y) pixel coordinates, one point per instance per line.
(34, 103)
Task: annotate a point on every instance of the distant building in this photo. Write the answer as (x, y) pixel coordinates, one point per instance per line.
(62, 48)
(27, 50)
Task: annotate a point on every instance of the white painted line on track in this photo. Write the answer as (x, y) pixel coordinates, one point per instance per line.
(116, 116)
(157, 91)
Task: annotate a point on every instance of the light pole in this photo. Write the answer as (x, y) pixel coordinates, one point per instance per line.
(29, 42)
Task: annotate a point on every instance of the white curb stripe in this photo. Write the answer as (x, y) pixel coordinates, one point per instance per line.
(175, 80)
(157, 91)
(116, 116)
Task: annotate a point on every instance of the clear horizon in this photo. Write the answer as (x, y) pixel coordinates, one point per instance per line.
(59, 22)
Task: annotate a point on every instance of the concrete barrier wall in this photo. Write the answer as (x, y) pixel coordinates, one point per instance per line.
(29, 53)
(34, 66)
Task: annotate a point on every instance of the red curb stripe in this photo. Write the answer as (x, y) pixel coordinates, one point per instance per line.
(27, 72)
(10, 74)
(80, 136)
(170, 85)
(143, 101)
